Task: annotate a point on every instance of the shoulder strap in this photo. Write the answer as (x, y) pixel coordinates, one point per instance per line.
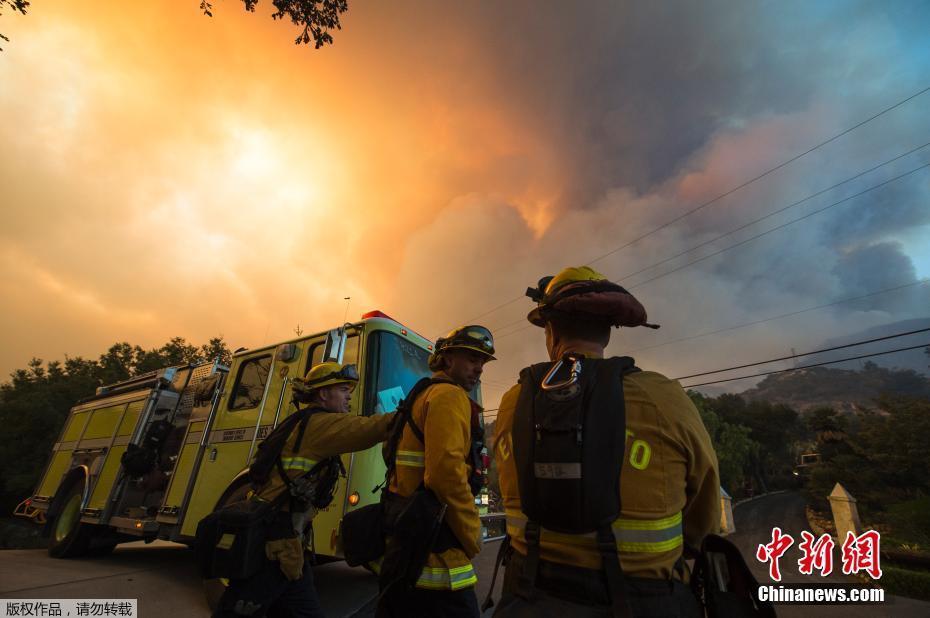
(414, 393)
(301, 429)
(405, 418)
(416, 430)
(606, 540)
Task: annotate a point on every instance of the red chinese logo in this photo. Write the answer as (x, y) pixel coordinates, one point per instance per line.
(771, 552)
(817, 554)
(861, 553)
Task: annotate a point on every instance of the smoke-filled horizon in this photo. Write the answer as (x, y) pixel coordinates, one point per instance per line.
(169, 174)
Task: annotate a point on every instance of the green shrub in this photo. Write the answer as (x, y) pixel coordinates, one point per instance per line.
(910, 521)
(906, 583)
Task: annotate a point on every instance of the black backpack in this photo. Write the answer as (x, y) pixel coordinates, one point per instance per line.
(569, 435)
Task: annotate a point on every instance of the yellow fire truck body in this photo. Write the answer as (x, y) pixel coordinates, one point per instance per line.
(207, 421)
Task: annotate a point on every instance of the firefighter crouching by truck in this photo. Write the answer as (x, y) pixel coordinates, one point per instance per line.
(434, 467)
(307, 467)
(599, 507)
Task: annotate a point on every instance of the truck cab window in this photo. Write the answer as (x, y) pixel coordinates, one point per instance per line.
(250, 383)
(349, 355)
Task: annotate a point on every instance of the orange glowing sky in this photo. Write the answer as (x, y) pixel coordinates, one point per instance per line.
(164, 173)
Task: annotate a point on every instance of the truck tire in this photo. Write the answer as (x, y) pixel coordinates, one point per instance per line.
(70, 537)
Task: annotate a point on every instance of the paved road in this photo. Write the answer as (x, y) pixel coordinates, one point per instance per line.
(163, 576)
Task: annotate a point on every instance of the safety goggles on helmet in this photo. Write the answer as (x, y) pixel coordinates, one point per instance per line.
(348, 373)
(472, 337)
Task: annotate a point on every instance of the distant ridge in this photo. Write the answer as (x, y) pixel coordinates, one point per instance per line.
(846, 390)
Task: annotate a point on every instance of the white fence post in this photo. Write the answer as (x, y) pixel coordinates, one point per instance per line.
(845, 513)
(727, 524)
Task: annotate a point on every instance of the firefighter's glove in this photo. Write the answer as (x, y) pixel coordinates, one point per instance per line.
(289, 553)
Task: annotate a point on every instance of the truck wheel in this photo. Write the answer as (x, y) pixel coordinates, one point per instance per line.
(69, 537)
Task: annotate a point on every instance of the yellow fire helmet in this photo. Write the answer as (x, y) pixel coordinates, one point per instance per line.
(326, 374)
(582, 292)
(472, 337)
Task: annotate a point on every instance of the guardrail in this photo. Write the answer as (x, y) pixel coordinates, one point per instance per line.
(493, 526)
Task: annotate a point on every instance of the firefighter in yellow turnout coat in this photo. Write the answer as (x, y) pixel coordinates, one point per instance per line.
(447, 418)
(286, 582)
(669, 481)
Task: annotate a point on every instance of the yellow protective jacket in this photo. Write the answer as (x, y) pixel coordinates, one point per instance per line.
(669, 484)
(327, 434)
(443, 414)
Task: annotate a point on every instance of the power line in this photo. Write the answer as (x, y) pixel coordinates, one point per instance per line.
(490, 381)
(779, 227)
(728, 192)
(500, 385)
(514, 323)
(783, 315)
(760, 176)
(514, 332)
(773, 213)
(842, 360)
(492, 310)
(783, 358)
(750, 223)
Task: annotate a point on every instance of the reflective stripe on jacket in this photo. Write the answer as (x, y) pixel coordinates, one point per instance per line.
(443, 414)
(327, 434)
(669, 484)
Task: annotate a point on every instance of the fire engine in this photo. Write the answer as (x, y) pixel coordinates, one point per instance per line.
(149, 457)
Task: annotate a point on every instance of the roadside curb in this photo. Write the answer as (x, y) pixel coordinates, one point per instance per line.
(771, 493)
(816, 529)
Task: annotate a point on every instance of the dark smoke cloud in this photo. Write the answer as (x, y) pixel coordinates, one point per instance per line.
(875, 267)
(655, 108)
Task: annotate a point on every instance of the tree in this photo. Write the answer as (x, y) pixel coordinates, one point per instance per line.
(16, 5)
(35, 402)
(774, 428)
(118, 363)
(216, 348)
(318, 17)
(883, 462)
(735, 450)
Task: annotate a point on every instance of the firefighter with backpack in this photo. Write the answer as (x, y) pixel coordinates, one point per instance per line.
(435, 470)
(294, 474)
(606, 472)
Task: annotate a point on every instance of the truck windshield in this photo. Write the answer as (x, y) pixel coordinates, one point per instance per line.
(395, 364)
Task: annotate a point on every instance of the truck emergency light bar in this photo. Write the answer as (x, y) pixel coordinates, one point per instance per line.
(376, 313)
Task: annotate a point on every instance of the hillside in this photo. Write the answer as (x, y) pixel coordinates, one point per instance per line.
(843, 389)
(916, 360)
